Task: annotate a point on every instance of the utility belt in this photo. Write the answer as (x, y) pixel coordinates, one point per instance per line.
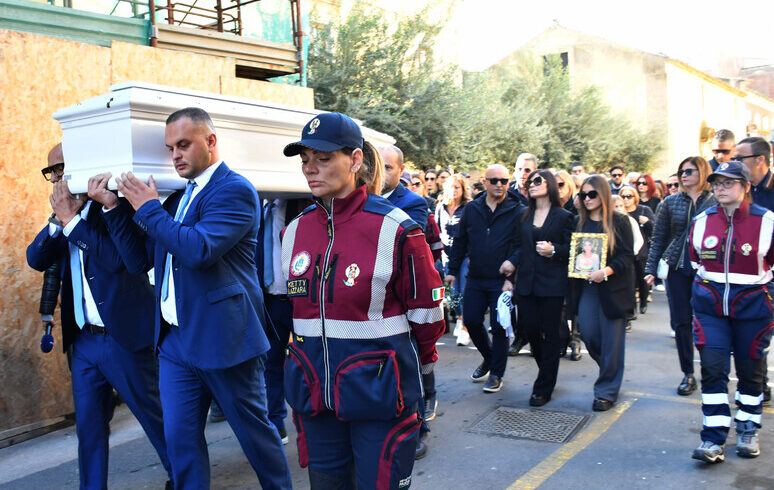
(94, 329)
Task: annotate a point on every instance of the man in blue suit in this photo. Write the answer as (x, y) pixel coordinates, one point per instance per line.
(210, 314)
(107, 325)
(413, 204)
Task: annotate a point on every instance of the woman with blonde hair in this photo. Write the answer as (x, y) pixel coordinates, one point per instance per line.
(448, 212)
(567, 191)
(602, 300)
(670, 243)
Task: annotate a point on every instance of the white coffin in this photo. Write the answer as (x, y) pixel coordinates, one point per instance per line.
(123, 131)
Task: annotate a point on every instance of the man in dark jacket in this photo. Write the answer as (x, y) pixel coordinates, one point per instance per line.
(723, 146)
(488, 235)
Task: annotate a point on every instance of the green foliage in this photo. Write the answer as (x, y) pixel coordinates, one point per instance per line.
(387, 76)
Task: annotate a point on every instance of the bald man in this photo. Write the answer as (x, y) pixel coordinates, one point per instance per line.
(487, 234)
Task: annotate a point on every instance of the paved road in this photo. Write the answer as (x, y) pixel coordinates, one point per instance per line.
(645, 442)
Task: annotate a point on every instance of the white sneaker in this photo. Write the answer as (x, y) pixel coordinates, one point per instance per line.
(672, 334)
(457, 328)
(659, 287)
(463, 338)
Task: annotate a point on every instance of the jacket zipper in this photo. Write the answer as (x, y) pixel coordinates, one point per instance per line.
(326, 358)
(407, 428)
(727, 261)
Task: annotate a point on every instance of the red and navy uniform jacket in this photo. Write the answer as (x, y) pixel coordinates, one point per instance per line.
(733, 260)
(366, 309)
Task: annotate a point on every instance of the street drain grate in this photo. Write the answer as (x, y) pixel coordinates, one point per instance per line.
(538, 425)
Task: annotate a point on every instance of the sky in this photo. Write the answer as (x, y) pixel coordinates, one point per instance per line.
(695, 32)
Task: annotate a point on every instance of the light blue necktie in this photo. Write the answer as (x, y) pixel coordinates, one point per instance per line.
(75, 275)
(268, 245)
(178, 216)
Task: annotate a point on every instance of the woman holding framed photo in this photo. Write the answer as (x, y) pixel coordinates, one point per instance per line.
(602, 299)
(541, 256)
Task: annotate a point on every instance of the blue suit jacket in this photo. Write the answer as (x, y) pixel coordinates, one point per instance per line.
(411, 203)
(124, 300)
(220, 307)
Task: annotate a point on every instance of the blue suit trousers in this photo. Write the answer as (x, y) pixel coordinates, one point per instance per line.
(186, 392)
(281, 313)
(99, 364)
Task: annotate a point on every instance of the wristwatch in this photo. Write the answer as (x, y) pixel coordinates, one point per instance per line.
(53, 220)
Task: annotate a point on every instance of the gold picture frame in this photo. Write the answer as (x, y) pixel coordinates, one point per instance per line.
(588, 252)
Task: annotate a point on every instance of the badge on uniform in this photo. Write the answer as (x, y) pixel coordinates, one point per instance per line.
(300, 263)
(711, 241)
(298, 287)
(352, 272)
(746, 249)
(438, 293)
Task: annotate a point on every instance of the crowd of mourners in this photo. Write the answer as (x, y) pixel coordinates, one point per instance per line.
(334, 304)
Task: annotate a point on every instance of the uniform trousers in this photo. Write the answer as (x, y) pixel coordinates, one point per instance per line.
(280, 310)
(541, 317)
(186, 392)
(605, 339)
(99, 364)
(680, 317)
(479, 295)
(380, 453)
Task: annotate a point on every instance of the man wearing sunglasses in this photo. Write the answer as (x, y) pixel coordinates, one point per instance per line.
(723, 146)
(755, 153)
(526, 163)
(616, 179)
(488, 234)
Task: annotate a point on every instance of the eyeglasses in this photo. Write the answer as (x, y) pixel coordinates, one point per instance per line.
(627, 196)
(57, 168)
(536, 181)
(495, 181)
(591, 195)
(416, 183)
(428, 179)
(741, 158)
(642, 182)
(687, 172)
(723, 152)
(674, 185)
(725, 184)
(616, 175)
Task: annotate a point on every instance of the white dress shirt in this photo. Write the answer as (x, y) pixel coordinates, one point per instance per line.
(279, 286)
(168, 306)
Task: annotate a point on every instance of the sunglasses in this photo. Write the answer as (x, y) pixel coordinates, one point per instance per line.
(741, 158)
(495, 181)
(722, 152)
(627, 196)
(536, 181)
(674, 185)
(591, 195)
(57, 168)
(616, 175)
(429, 178)
(641, 182)
(560, 184)
(687, 172)
(417, 183)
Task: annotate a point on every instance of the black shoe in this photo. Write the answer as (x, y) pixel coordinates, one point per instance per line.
(216, 414)
(431, 405)
(766, 395)
(169, 485)
(481, 372)
(538, 400)
(494, 384)
(602, 405)
(643, 309)
(421, 450)
(516, 347)
(687, 386)
(575, 354)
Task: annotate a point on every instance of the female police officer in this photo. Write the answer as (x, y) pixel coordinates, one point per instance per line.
(731, 246)
(366, 315)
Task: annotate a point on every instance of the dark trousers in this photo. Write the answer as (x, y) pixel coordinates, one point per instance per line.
(640, 284)
(99, 364)
(379, 452)
(605, 340)
(680, 316)
(280, 311)
(542, 321)
(186, 391)
(481, 294)
(428, 384)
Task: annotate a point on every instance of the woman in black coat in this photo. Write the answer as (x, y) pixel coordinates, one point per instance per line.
(645, 220)
(541, 285)
(602, 300)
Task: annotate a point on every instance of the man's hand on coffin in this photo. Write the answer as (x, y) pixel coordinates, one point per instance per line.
(64, 204)
(136, 191)
(99, 192)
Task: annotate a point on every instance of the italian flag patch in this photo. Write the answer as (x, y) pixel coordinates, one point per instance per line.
(438, 293)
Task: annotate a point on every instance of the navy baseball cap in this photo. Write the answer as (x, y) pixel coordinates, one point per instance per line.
(733, 170)
(329, 131)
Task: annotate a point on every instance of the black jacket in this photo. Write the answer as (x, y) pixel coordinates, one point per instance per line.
(617, 293)
(645, 229)
(488, 238)
(673, 221)
(538, 275)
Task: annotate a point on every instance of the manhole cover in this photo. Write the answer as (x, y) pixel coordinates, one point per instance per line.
(539, 425)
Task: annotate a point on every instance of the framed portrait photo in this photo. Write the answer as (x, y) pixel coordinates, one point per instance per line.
(588, 253)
